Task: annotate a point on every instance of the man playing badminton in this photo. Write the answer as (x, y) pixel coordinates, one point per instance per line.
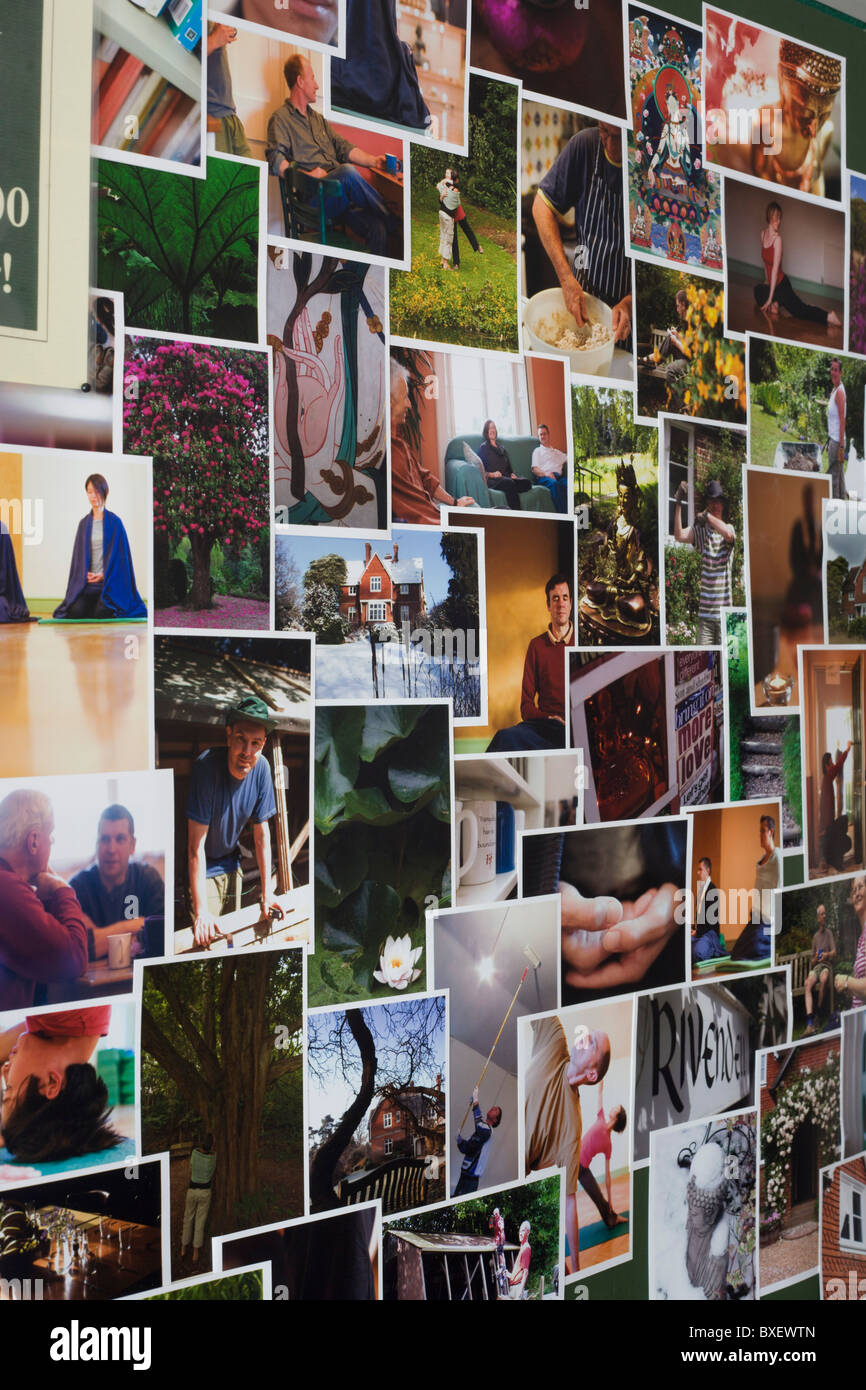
(476, 1149)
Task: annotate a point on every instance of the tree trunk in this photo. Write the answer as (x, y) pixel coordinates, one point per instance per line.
(323, 1166)
(200, 594)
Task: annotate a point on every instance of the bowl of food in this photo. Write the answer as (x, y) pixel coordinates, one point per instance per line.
(551, 328)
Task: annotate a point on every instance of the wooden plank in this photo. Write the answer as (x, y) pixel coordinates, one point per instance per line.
(247, 927)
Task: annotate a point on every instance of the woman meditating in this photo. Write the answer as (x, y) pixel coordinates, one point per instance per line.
(101, 575)
(13, 605)
(776, 290)
(498, 472)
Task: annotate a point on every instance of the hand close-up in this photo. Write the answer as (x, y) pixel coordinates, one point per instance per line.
(573, 296)
(206, 929)
(628, 943)
(47, 884)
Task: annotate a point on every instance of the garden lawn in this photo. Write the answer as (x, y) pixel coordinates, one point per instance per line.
(475, 305)
(645, 468)
(226, 612)
(765, 432)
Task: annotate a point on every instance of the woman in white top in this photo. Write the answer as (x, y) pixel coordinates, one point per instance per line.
(754, 942)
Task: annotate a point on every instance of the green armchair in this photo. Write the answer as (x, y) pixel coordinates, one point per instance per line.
(464, 479)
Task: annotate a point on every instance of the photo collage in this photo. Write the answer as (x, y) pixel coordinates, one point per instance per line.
(432, 858)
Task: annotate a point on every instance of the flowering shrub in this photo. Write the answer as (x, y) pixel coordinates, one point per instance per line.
(857, 309)
(201, 411)
(429, 303)
(812, 1095)
(715, 381)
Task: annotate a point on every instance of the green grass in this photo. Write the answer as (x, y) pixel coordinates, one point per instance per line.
(765, 432)
(475, 305)
(645, 467)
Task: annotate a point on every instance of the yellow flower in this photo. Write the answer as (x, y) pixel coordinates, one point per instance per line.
(687, 397)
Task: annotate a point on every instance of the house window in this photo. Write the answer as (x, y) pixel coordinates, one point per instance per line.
(852, 1214)
(353, 613)
(389, 1146)
(351, 588)
(481, 387)
(404, 588)
(404, 610)
(387, 1120)
(375, 583)
(377, 612)
(398, 1115)
(681, 469)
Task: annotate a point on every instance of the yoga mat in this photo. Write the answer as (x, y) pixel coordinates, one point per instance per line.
(598, 1233)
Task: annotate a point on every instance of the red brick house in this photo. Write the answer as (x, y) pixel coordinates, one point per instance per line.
(383, 589)
(395, 1120)
(843, 1231)
(854, 593)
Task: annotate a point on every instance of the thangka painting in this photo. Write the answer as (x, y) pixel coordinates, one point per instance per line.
(325, 327)
(674, 202)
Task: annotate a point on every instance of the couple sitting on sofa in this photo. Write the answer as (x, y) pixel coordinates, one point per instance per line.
(546, 470)
(485, 479)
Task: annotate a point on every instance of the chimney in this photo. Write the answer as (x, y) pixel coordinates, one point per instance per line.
(394, 556)
(366, 552)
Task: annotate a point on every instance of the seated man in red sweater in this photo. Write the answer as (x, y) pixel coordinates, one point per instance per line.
(43, 935)
(542, 701)
(54, 1105)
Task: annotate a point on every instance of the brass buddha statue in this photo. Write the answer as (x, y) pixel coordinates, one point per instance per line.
(617, 599)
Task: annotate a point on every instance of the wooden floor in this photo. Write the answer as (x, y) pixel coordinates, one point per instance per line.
(743, 316)
(587, 1214)
(74, 699)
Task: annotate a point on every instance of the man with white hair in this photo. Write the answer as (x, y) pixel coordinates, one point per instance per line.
(553, 1124)
(520, 1271)
(415, 491)
(43, 935)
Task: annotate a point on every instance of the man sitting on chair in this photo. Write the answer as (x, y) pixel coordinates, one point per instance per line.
(298, 134)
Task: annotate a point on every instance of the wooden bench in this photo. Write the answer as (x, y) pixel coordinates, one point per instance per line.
(799, 963)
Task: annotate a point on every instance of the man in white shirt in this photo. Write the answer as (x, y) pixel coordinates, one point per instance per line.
(548, 465)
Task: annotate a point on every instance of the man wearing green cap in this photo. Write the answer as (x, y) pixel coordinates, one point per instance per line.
(229, 787)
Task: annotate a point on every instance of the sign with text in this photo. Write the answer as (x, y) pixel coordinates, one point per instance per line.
(693, 1058)
(22, 34)
(693, 722)
(45, 65)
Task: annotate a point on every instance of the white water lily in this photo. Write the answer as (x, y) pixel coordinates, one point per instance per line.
(396, 962)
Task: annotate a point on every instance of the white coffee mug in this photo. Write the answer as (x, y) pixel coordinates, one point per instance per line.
(119, 951)
(476, 838)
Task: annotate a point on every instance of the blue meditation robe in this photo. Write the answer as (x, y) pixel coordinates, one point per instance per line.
(13, 608)
(119, 593)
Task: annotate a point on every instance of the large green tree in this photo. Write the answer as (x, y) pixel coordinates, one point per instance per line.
(223, 1034)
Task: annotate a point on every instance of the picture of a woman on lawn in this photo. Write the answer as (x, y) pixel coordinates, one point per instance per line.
(451, 207)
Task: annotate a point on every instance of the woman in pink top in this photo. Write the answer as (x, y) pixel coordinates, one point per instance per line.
(596, 1141)
(776, 290)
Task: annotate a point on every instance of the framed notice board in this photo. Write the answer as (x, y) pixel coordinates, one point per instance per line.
(44, 200)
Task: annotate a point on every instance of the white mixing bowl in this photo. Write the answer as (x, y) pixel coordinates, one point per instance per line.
(586, 361)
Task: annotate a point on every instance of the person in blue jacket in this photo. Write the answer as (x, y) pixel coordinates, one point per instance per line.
(101, 574)
(476, 1149)
(13, 606)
